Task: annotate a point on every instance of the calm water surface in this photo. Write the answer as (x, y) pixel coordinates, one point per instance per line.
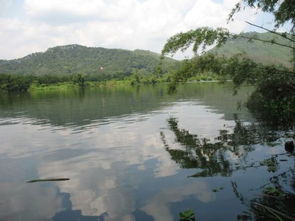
(135, 154)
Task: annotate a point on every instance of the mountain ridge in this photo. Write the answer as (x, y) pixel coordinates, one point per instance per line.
(94, 61)
(74, 58)
(265, 53)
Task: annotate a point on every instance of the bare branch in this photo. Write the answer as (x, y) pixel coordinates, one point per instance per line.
(267, 41)
(274, 32)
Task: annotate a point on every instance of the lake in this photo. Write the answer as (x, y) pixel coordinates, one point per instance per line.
(137, 154)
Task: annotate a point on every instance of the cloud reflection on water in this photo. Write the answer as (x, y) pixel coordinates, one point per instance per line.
(117, 165)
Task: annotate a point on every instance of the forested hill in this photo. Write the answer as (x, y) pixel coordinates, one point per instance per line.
(74, 59)
(258, 51)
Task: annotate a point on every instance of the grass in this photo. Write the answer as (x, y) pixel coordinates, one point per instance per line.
(63, 86)
(66, 86)
(57, 86)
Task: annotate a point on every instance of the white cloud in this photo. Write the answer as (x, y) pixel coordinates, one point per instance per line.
(128, 24)
(158, 206)
(91, 9)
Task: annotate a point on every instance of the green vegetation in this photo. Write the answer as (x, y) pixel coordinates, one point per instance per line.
(66, 65)
(268, 54)
(14, 83)
(271, 164)
(209, 158)
(273, 191)
(275, 86)
(273, 98)
(79, 79)
(97, 63)
(283, 11)
(275, 83)
(20, 83)
(187, 215)
(82, 66)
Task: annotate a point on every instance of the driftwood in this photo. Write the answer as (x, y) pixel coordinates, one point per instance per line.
(47, 180)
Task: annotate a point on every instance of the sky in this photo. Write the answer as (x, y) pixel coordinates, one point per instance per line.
(28, 26)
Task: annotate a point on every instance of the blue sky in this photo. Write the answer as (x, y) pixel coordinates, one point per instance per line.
(28, 26)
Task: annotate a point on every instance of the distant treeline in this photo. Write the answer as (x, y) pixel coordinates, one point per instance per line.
(15, 83)
(21, 83)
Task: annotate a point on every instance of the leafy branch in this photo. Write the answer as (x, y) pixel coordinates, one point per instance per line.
(202, 38)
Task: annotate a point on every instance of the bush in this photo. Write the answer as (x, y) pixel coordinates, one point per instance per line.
(15, 83)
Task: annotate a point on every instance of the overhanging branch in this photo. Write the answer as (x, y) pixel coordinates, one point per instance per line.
(271, 31)
(266, 41)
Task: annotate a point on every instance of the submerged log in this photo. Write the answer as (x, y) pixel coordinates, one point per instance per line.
(48, 180)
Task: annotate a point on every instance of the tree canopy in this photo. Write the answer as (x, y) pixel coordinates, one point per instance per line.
(275, 85)
(283, 11)
(200, 38)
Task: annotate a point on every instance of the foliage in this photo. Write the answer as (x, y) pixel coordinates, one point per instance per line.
(283, 11)
(200, 37)
(275, 85)
(79, 79)
(51, 79)
(17, 83)
(273, 191)
(276, 201)
(97, 63)
(271, 164)
(209, 158)
(187, 215)
(12, 83)
(268, 54)
(241, 70)
(276, 110)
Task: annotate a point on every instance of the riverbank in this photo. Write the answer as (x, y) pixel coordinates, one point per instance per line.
(70, 85)
(22, 84)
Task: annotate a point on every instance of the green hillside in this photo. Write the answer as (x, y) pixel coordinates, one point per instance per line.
(73, 59)
(258, 51)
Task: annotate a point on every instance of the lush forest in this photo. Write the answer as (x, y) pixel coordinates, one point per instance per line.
(77, 59)
(264, 61)
(223, 156)
(244, 64)
(78, 64)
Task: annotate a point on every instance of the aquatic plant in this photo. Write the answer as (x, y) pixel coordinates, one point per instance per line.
(187, 215)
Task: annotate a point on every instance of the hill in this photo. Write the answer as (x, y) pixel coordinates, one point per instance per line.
(258, 51)
(73, 59)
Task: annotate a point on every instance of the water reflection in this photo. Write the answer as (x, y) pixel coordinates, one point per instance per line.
(159, 208)
(228, 153)
(125, 162)
(72, 108)
(20, 200)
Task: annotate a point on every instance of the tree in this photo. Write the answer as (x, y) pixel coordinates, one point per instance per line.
(275, 85)
(79, 79)
(283, 11)
(200, 38)
(15, 83)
